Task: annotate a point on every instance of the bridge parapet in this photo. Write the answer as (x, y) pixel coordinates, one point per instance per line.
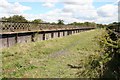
(14, 27)
(18, 27)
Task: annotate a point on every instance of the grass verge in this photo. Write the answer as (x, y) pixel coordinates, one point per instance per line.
(38, 59)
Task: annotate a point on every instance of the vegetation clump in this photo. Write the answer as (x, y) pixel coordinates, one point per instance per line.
(105, 63)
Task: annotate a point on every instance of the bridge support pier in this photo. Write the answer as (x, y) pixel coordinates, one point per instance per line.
(43, 36)
(58, 33)
(65, 33)
(4, 42)
(40, 36)
(68, 33)
(11, 40)
(61, 33)
(24, 38)
(47, 36)
(52, 34)
(55, 34)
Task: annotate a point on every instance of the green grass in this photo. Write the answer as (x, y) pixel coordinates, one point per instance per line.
(42, 60)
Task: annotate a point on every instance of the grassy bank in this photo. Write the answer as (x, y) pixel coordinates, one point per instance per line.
(49, 58)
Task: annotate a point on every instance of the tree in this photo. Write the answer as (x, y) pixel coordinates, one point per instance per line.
(53, 23)
(86, 24)
(15, 18)
(37, 21)
(60, 22)
(4, 19)
(115, 25)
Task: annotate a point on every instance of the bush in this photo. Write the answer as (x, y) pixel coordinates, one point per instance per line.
(106, 62)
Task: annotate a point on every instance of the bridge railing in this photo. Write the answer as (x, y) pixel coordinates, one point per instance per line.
(16, 27)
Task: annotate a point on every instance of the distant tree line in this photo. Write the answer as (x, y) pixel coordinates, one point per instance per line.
(15, 18)
(88, 24)
(20, 18)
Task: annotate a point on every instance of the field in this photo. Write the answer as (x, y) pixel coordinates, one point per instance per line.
(50, 58)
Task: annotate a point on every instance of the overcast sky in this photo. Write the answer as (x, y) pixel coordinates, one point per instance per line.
(100, 11)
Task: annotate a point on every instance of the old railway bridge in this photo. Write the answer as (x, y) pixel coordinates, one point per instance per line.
(12, 33)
